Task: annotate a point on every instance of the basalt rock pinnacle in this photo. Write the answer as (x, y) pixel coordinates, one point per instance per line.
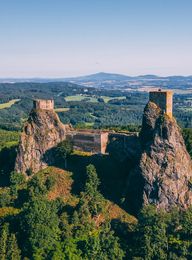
(163, 176)
(42, 131)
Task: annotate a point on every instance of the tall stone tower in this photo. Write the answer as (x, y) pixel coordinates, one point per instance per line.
(163, 99)
(45, 104)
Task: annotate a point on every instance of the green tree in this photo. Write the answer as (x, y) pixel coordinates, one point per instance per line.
(16, 179)
(186, 223)
(13, 252)
(3, 241)
(8, 245)
(150, 239)
(83, 237)
(187, 135)
(70, 250)
(103, 245)
(5, 198)
(40, 226)
(36, 186)
(91, 200)
(62, 151)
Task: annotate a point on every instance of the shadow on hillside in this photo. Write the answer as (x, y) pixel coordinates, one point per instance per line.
(7, 163)
(112, 174)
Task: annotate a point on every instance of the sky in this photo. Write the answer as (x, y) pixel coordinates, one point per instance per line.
(64, 38)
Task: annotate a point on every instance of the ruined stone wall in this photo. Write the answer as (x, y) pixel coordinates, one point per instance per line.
(92, 141)
(124, 146)
(169, 104)
(163, 99)
(47, 104)
(104, 142)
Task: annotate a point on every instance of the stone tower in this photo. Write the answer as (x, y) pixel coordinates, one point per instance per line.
(163, 99)
(45, 104)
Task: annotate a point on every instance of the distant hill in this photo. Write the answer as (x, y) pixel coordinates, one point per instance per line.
(102, 76)
(97, 77)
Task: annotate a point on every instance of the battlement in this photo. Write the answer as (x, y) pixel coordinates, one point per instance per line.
(45, 104)
(163, 99)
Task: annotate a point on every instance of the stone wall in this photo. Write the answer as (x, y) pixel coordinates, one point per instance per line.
(163, 99)
(47, 104)
(92, 141)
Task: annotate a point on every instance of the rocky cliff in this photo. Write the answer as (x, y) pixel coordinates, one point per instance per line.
(124, 147)
(164, 174)
(42, 131)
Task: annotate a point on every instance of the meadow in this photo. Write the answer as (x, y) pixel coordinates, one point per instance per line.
(62, 109)
(90, 98)
(9, 104)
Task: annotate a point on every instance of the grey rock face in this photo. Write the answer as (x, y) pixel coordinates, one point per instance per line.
(164, 174)
(42, 131)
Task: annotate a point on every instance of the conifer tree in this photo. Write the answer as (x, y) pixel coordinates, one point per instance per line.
(3, 240)
(13, 252)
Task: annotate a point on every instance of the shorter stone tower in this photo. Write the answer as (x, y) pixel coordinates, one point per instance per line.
(45, 104)
(163, 99)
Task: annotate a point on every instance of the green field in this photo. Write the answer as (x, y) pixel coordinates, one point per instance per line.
(93, 99)
(80, 98)
(9, 104)
(185, 109)
(62, 109)
(89, 124)
(107, 99)
(8, 138)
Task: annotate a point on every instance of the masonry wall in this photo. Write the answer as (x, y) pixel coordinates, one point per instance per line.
(164, 99)
(89, 141)
(104, 142)
(43, 104)
(169, 110)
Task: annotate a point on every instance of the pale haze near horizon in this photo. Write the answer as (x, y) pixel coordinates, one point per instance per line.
(60, 38)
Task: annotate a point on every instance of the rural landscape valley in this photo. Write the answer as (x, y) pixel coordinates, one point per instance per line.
(66, 194)
(95, 130)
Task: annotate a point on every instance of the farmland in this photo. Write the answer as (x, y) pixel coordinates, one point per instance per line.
(62, 109)
(89, 98)
(9, 104)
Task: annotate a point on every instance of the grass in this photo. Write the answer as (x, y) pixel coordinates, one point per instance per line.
(62, 186)
(81, 153)
(8, 138)
(185, 109)
(9, 104)
(8, 211)
(91, 98)
(89, 124)
(107, 99)
(75, 98)
(62, 109)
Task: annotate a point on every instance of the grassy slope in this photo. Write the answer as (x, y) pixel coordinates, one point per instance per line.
(8, 138)
(9, 104)
(62, 109)
(91, 99)
(63, 189)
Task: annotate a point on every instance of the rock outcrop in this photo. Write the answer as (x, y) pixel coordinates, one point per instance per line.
(42, 131)
(163, 176)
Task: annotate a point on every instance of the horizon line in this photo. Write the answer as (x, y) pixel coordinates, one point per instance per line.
(96, 73)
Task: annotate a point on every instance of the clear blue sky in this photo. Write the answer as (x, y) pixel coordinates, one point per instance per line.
(60, 38)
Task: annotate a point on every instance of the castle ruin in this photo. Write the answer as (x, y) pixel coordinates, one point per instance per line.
(164, 100)
(93, 141)
(45, 104)
(45, 133)
(96, 141)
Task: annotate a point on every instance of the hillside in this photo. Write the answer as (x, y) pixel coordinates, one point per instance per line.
(62, 188)
(80, 205)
